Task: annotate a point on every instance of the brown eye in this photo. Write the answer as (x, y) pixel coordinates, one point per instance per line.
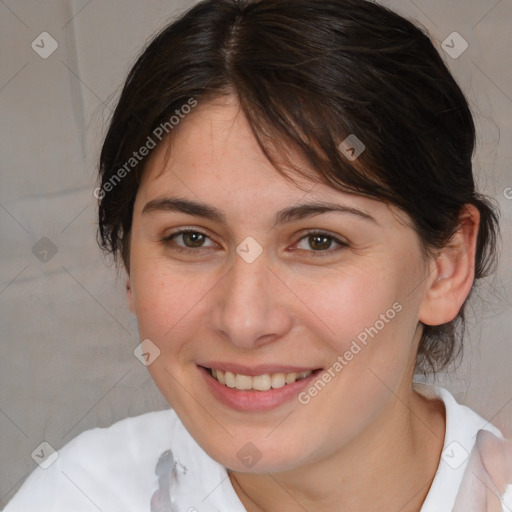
(192, 238)
(187, 240)
(320, 242)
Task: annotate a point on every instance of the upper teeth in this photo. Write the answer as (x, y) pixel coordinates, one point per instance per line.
(259, 382)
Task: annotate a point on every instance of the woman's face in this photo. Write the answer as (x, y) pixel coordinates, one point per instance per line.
(267, 287)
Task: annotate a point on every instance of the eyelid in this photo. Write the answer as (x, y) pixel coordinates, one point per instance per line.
(186, 229)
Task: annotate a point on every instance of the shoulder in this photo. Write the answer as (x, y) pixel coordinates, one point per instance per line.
(463, 427)
(462, 422)
(487, 482)
(109, 468)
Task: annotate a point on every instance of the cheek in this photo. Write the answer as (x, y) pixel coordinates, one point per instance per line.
(366, 315)
(346, 303)
(164, 301)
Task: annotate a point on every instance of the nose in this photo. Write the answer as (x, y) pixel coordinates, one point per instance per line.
(250, 304)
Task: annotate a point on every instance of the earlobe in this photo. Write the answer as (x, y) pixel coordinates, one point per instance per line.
(453, 272)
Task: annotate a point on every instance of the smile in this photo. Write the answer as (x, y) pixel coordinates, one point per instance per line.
(267, 387)
(258, 382)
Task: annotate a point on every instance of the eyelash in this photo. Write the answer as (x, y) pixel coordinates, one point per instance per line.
(168, 241)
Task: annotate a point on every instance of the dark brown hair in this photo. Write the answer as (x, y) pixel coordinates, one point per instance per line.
(308, 74)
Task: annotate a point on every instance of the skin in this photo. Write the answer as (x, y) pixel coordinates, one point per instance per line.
(367, 441)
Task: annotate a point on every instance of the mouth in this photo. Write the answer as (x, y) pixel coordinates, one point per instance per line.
(255, 389)
(262, 382)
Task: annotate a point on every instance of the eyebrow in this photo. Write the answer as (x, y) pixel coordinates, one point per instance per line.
(290, 214)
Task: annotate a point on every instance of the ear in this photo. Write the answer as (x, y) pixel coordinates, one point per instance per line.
(129, 294)
(452, 272)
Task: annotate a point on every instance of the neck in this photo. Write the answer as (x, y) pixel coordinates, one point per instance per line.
(389, 467)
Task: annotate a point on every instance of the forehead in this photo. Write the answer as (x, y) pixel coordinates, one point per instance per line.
(212, 156)
(214, 143)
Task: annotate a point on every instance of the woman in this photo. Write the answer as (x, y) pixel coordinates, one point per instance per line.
(288, 185)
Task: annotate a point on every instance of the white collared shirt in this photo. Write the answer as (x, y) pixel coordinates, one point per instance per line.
(113, 469)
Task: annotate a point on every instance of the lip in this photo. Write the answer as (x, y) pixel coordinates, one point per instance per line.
(255, 401)
(254, 370)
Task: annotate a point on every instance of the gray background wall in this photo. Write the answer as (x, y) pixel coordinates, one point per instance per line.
(66, 361)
